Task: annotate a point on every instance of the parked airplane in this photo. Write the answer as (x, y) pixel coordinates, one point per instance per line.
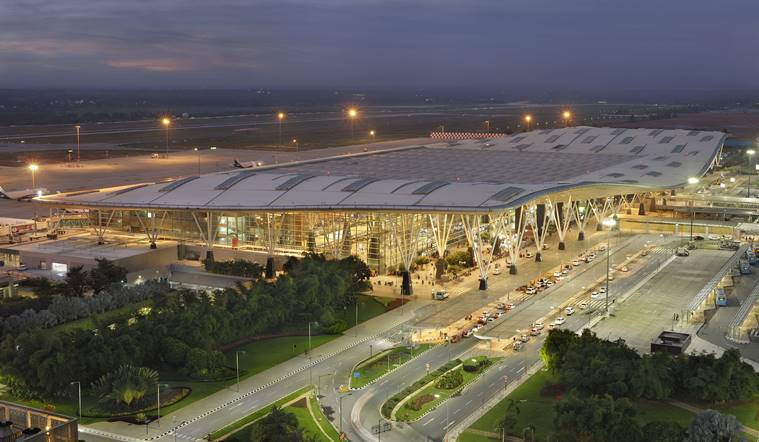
(247, 164)
(22, 195)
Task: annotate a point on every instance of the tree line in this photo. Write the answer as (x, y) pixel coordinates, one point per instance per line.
(184, 330)
(603, 378)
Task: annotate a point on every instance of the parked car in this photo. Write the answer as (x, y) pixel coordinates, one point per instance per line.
(682, 251)
(576, 262)
(500, 306)
(698, 237)
(524, 338)
(556, 274)
(509, 306)
(714, 237)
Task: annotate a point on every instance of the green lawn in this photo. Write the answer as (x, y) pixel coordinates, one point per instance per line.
(107, 317)
(306, 420)
(379, 364)
(368, 308)
(406, 414)
(537, 410)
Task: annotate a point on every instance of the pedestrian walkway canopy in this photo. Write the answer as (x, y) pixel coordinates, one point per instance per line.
(462, 176)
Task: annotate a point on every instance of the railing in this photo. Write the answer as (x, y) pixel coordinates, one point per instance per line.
(701, 296)
(734, 330)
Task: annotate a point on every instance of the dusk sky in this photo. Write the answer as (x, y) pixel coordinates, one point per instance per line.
(558, 44)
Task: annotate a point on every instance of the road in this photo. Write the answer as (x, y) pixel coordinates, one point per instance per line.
(367, 402)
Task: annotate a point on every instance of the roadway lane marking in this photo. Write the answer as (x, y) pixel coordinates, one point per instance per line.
(451, 423)
(235, 406)
(470, 401)
(425, 424)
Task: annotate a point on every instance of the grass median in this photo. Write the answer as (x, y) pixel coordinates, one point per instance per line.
(383, 362)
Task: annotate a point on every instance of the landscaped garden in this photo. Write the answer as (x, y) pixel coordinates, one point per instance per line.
(296, 417)
(383, 362)
(594, 389)
(190, 340)
(434, 388)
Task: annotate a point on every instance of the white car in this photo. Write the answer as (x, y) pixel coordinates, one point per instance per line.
(602, 290)
(556, 274)
(559, 321)
(575, 263)
(569, 311)
(714, 237)
(583, 305)
(594, 295)
(538, 325)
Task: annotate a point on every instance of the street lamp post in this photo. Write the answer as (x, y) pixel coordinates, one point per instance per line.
(692, 181)
(197, 154)
(237, 366)
(372, 134)
(79, 393)
(566, 115)
(158, 406)
(528, 120)
(34, 168)
(77, 127)
(340, 399)
(352, 114)
(610, 223)
(750, 154)
(166, 122)
(280, 118)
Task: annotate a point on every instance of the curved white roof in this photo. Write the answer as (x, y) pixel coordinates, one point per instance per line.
(467, 176)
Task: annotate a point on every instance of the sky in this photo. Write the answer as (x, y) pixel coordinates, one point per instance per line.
(527, 44)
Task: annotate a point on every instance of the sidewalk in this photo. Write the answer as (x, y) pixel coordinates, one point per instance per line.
(223, 398)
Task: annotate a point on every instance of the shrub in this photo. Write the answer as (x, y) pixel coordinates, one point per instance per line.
(418, 402)
(450, 380)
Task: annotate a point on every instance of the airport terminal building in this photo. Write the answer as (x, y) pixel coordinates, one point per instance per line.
(389, 206)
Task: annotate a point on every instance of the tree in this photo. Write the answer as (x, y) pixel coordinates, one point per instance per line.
(713, 426)
(596, 419)
(125, 387)
(76, 281)
(510, 417)
(105, 274)
(556, 347)
(277, 426)
(663, 431)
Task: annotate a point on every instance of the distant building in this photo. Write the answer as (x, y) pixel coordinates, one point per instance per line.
(19, 423)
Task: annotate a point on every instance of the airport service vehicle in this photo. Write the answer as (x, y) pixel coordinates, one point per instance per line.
(440, 295)
(745, 267)
(721, 299)
(751, 257)
(559, 321)
(496, 270)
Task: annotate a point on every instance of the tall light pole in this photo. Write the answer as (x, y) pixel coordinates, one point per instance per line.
(79, 391)
(610, 223)
(78, 157)
(158, 401)
(528, 120)
(750, 154)
(197, 154)
(237, 366)
(280, 119)
(166, 122)
(340, 399)
(34, 168)
(692, 181)
(352, 115)
(566, 115)
(372, 134)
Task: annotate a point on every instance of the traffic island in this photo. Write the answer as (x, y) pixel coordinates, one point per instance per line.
(430, 391)
(375, 367)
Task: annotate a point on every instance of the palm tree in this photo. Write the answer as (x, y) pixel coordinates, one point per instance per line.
(277, 426)
(125, 387)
